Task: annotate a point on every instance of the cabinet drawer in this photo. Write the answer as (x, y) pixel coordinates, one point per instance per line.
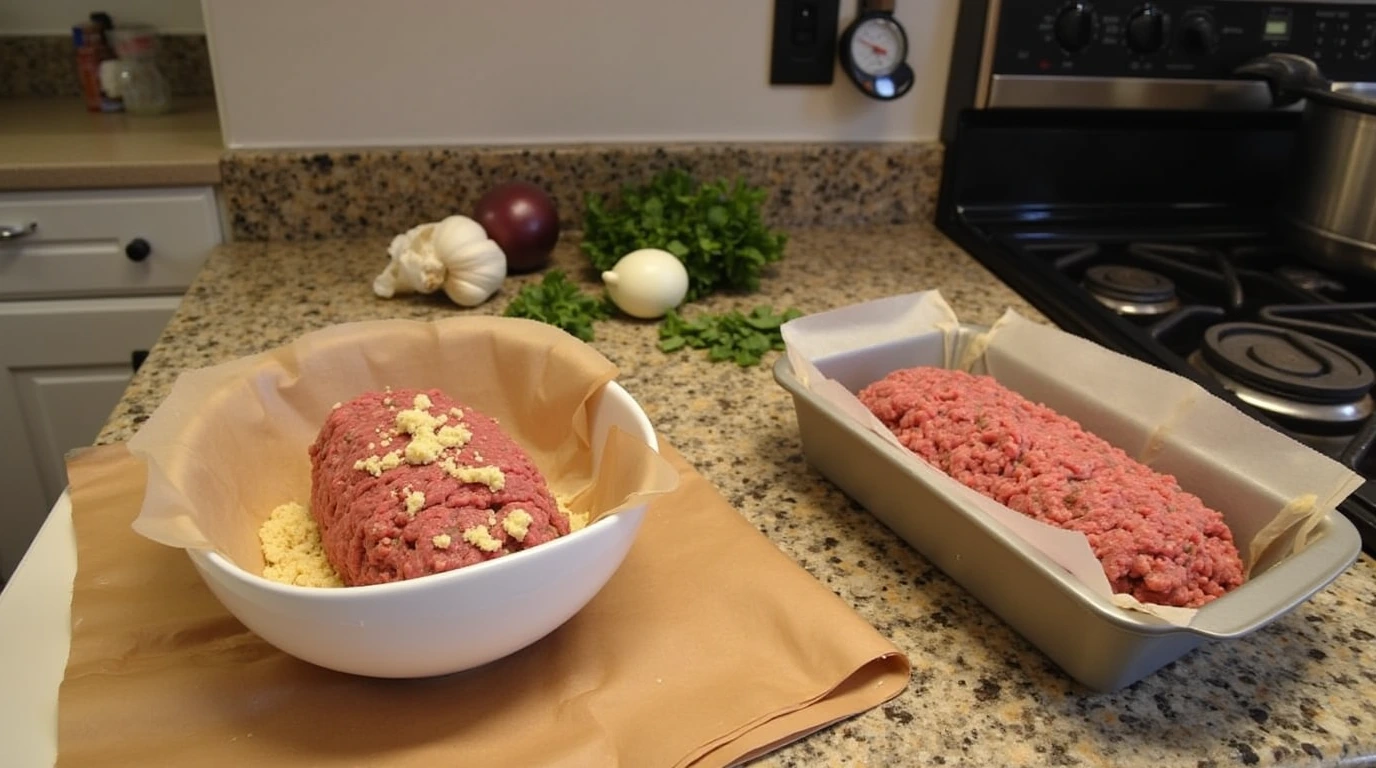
(92, 242)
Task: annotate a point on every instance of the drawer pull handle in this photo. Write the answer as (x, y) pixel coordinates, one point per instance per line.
(8, 232)
(138, 249)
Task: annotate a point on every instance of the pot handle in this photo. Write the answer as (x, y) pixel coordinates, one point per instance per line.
(1290, 77)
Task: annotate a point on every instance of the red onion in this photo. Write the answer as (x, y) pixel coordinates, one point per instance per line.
(522, 219)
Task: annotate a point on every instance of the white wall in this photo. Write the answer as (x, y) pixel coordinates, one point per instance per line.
(57, 17)
(316, 73)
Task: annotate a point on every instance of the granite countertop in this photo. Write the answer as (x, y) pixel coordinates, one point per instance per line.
(1294, 693)
(54, 143)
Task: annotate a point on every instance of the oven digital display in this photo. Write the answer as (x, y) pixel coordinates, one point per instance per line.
(1277, 28)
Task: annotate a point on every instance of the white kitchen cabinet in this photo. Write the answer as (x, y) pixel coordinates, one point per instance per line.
(65, 366)
(93, 285)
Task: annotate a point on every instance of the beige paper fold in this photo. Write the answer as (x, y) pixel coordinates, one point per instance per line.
(708, 646)
(1271, 489)
(229, 442)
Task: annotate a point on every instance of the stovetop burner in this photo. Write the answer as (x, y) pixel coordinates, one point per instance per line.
(1289, 374)
(1130, 290)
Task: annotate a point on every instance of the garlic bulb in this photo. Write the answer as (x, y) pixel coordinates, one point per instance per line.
(454, 254)
(476, 270)
(456, 231)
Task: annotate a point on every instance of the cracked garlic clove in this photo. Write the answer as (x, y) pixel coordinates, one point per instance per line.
(414, 266)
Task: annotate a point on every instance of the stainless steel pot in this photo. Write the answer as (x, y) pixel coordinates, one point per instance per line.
(1330, 207)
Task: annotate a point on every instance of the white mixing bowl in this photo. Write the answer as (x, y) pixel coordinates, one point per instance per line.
(445, 622)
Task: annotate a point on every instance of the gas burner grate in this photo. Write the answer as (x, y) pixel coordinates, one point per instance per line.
(1358, 330)
(1216, 267)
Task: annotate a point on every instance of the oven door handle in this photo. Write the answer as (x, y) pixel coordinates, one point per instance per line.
(8, 232)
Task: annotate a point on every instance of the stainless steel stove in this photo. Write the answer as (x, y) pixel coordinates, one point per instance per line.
(1103, 160)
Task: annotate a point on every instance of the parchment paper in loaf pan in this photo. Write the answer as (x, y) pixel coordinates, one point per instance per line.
(1272, 490)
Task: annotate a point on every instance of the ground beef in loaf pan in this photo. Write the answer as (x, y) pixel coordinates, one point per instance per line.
(1156, 541)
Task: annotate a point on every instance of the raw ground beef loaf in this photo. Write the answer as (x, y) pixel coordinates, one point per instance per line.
(1156, 542)
(407, 483)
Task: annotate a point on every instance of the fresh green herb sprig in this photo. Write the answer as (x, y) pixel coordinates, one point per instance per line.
(715, 229)
(743, 339)
(557, 301)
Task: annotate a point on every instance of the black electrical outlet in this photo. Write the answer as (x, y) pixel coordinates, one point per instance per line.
(804, 51)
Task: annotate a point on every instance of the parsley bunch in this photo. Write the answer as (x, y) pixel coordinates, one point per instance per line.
(716, 230)
(558, 302)
(729, 336)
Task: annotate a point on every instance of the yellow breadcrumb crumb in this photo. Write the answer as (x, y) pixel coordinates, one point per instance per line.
(480, 537)
(412, 420)
(441, 541)
(293, 551)
(376, 465)
(429, 437)
(517, 524)
(576, 521)
(414, 501)
(454, 436)
(424, 448)
(490, 476)
(422, 401)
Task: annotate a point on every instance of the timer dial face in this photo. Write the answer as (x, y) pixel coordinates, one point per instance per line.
(877, 47)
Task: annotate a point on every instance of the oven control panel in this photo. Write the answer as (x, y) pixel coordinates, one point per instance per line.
(1180, 38)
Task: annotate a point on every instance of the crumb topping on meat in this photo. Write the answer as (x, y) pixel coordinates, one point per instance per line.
(453, 489)
(414, 501)
(480, 537)
(517, 523)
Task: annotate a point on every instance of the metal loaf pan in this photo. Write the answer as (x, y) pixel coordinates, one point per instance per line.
(1097, 643)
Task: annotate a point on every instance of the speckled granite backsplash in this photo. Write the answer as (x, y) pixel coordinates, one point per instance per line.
(292, 195)
(45, 65)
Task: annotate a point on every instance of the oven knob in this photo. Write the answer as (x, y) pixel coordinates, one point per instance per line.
(1367, 47)
(1146, 30)
(1198, 35)
(1075, 26)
